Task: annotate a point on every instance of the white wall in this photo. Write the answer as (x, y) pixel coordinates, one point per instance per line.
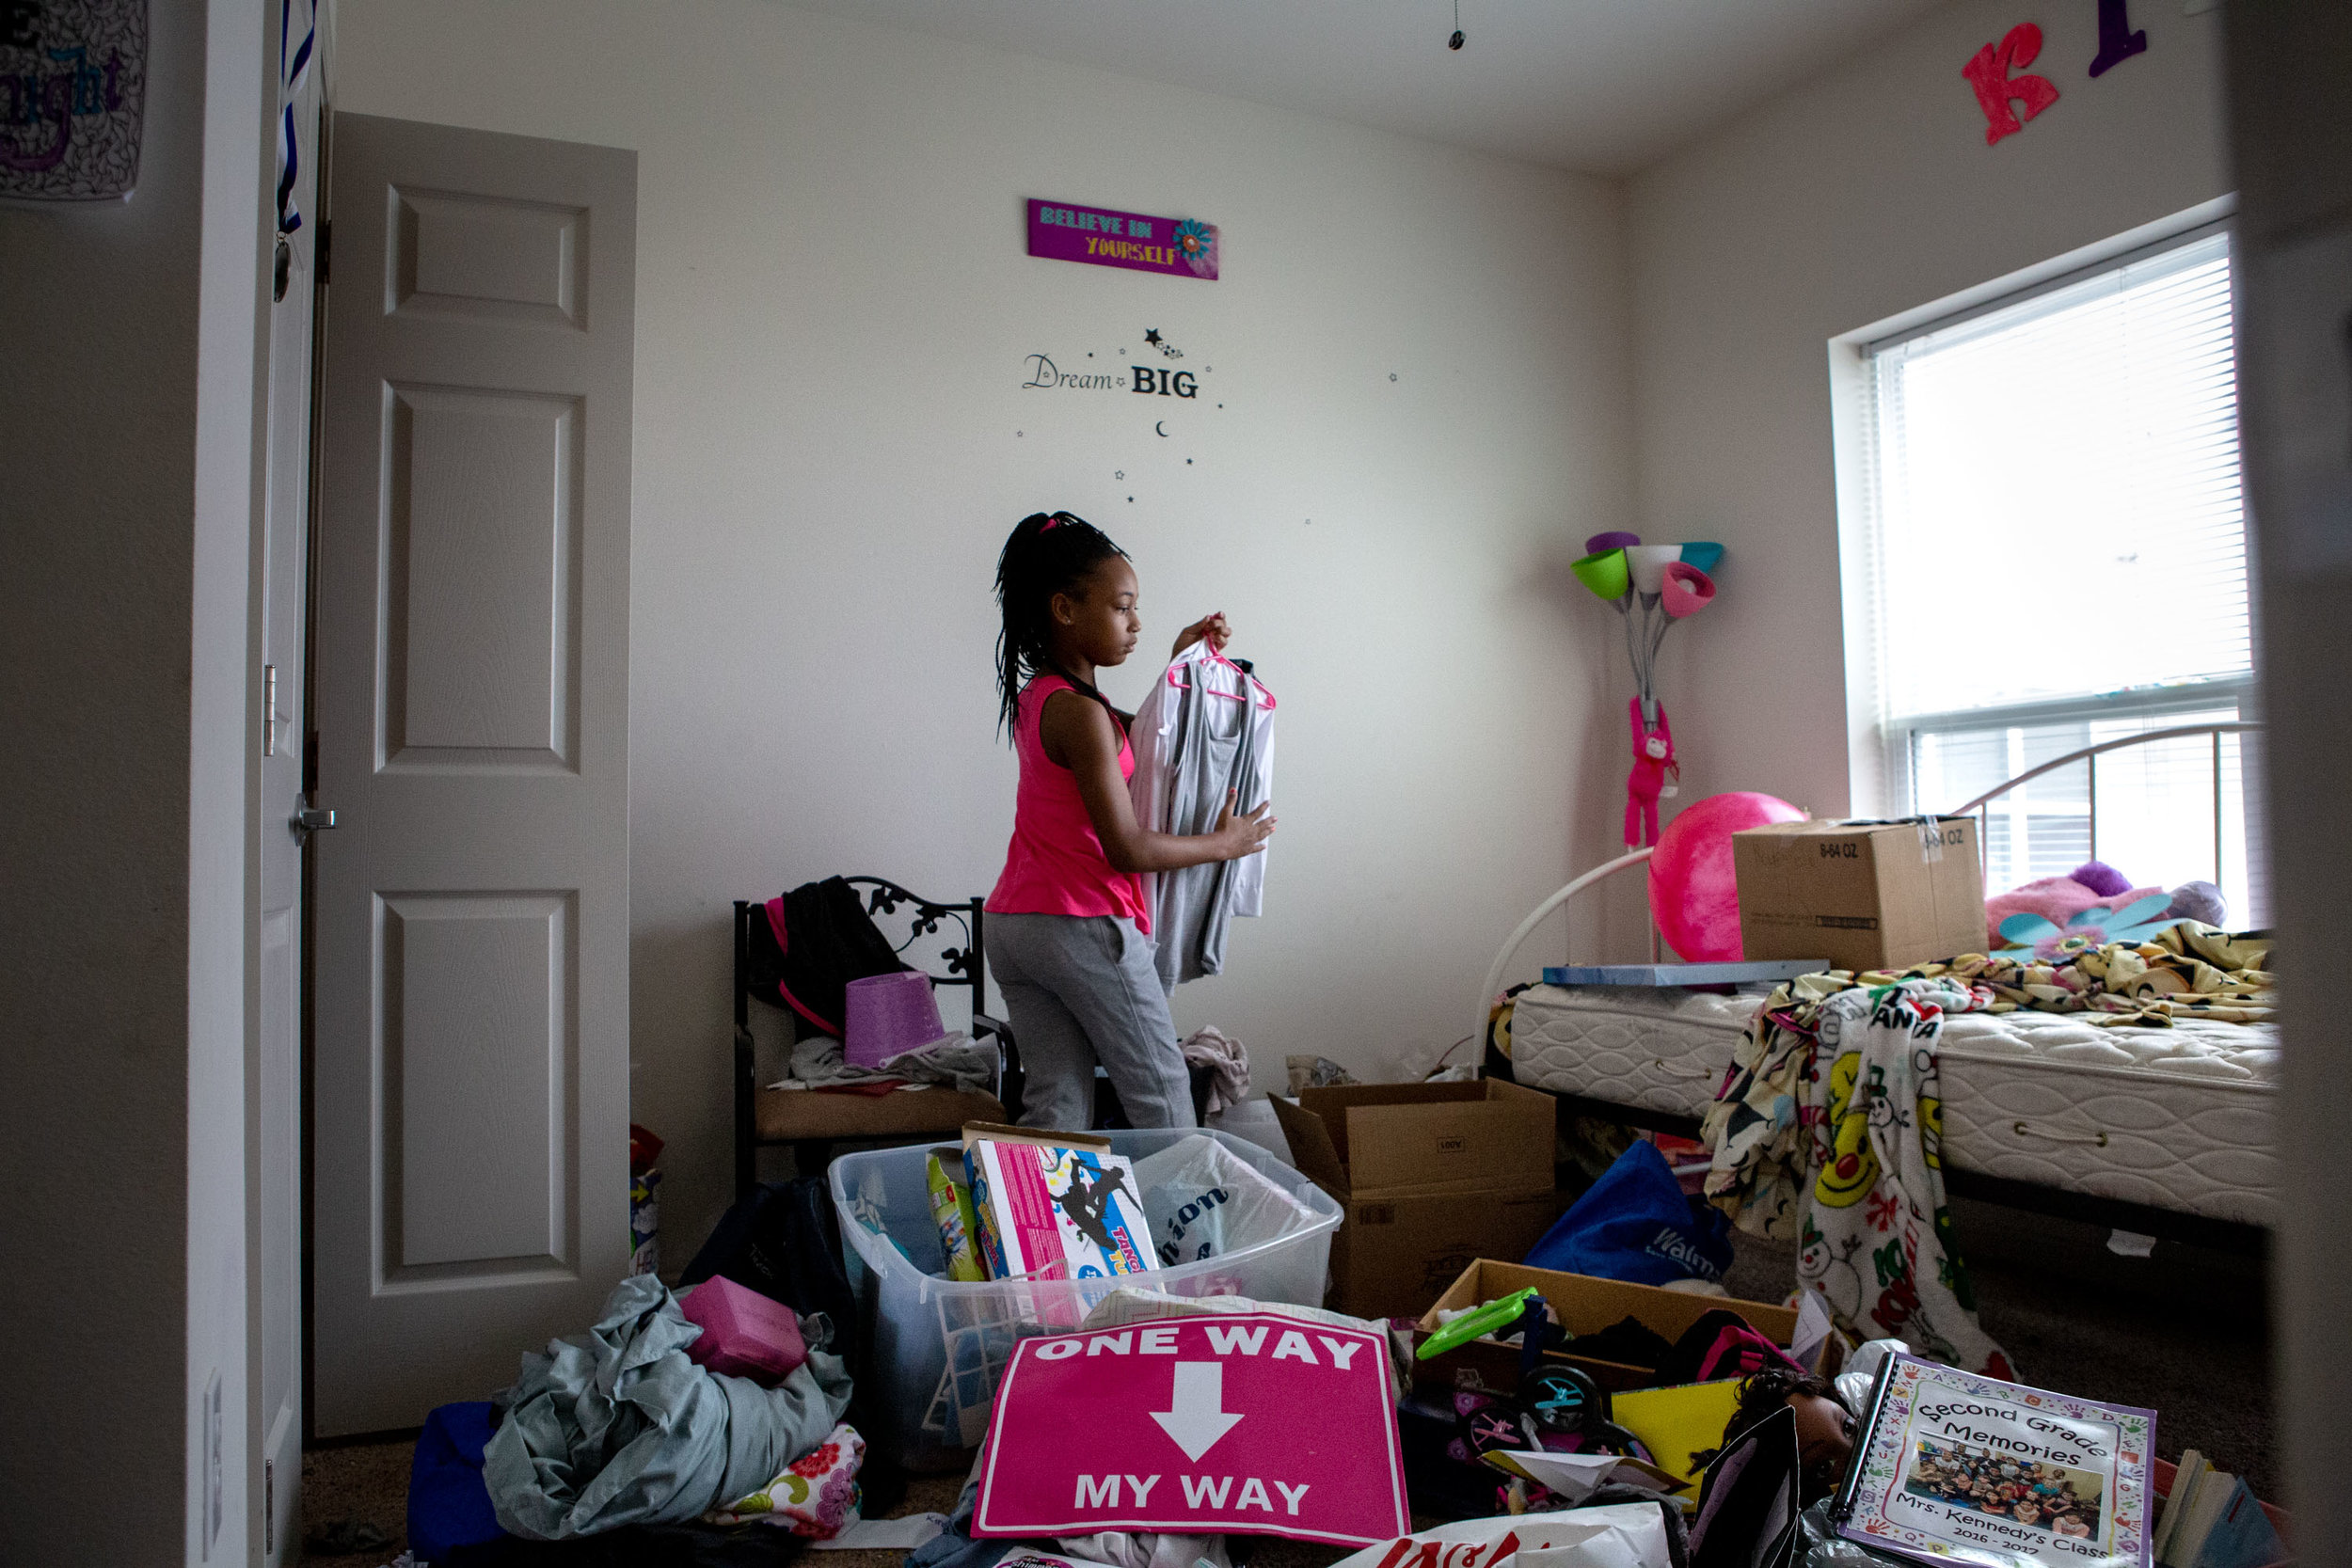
(834, 308)
(223, 776)
(123, 692)
(1864, 194)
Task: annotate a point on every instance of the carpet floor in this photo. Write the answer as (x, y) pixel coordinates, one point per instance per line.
(2181, 1332)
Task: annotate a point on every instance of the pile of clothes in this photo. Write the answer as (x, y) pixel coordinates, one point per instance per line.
(2187, 971)
(672, 1423)
(619, 1426)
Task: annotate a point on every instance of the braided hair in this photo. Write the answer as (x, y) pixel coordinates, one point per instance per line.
(1764, 1392)
(1048, 553)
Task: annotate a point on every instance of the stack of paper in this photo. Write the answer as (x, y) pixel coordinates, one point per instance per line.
(2213, 1520)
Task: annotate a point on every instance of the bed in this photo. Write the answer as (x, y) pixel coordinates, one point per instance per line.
(2163, 1132)
(2177, 1120)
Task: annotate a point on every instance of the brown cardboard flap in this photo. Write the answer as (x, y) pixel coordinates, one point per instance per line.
(1332, 1104)
(1368, 1139)
(1312, 1148)
(1586, 1304)
(975, 1132)
(1395, 1254)
(1492, 1146)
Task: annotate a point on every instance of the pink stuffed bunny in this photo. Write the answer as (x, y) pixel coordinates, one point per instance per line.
(1653, 759)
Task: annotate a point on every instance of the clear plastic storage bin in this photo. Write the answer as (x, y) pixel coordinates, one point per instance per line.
(936, 1347)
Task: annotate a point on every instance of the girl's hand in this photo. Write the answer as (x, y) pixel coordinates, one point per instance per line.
(1245, 834)
(1213, 628)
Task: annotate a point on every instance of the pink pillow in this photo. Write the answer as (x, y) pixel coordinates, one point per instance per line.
(2055, 898)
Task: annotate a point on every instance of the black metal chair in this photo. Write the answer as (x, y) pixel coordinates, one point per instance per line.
(812, 1124)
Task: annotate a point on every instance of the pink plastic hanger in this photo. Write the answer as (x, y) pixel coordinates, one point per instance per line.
(1210, 648)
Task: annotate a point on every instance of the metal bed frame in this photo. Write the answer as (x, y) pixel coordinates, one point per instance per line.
(2228, 1236)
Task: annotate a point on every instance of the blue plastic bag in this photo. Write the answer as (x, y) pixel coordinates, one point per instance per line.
(1635, 1224)
(448, 1504)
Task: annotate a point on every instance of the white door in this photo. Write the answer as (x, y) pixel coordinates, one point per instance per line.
(276, 1174)
(470, 1110)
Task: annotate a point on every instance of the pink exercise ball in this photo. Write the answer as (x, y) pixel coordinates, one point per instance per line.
(1692, 894)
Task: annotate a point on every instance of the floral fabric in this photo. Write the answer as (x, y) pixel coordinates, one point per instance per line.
(1875, 1235)
(1759, 1126)
(816, 1497)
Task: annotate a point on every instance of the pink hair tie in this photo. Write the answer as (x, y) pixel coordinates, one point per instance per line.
(1051, 523)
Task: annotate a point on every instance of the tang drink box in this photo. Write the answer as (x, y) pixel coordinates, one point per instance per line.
(1057, 1201)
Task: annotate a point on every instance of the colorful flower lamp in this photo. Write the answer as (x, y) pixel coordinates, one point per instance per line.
(1649, 563)
(1604, 573)
(1685, 591)
(1666, 583)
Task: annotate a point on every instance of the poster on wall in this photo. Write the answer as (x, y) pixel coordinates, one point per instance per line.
(72, 91)
(1103, 237)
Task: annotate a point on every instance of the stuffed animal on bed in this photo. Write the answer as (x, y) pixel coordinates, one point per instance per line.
(2058, 900)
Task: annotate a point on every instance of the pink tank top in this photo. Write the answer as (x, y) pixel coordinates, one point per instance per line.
(1056, 864)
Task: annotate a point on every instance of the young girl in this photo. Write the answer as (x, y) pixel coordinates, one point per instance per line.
(1069, 937)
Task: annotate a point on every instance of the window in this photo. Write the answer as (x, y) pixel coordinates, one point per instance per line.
(2053, 555)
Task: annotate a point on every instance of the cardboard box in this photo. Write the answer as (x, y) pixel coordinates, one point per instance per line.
(1584, 1305)
(1861, 894)
(1432, 1177)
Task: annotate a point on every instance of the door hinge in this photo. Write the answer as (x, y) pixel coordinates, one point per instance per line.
(323, 252)
(269, 1507)
(269, 710)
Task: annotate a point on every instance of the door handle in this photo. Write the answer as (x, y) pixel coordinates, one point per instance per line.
(309, 819)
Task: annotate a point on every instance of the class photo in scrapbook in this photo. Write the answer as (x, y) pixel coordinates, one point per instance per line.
(1955, 1467)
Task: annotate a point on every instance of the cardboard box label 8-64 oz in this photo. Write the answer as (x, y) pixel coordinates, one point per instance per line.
(1860, 895)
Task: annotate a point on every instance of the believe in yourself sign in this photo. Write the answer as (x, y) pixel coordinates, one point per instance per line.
(1262, 1424)
(1104, 238)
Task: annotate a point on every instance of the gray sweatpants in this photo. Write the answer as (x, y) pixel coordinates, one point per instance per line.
(1081, 989)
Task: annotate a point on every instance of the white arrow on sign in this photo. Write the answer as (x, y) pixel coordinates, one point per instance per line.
(1195, 1416)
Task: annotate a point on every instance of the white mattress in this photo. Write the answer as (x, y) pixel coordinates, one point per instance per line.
(2176, 1118)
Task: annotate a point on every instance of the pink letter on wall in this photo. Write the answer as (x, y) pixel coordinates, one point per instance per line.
(1988, 73)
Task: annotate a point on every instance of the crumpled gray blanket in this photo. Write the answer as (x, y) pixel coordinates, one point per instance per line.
(956, 1063)
(1228, 1061)
(616, 1426)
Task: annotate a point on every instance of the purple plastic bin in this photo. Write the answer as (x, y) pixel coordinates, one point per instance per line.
(889, 1016)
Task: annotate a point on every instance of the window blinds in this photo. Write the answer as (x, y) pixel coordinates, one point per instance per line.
(2056, 480)
(2054, 555)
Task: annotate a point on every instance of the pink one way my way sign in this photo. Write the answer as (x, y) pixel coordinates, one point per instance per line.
(1262, 1424)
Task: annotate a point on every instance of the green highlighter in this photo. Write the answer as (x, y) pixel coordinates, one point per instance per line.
(1462, 1330)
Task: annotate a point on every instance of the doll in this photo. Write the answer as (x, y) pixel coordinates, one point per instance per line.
(1653, 761)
